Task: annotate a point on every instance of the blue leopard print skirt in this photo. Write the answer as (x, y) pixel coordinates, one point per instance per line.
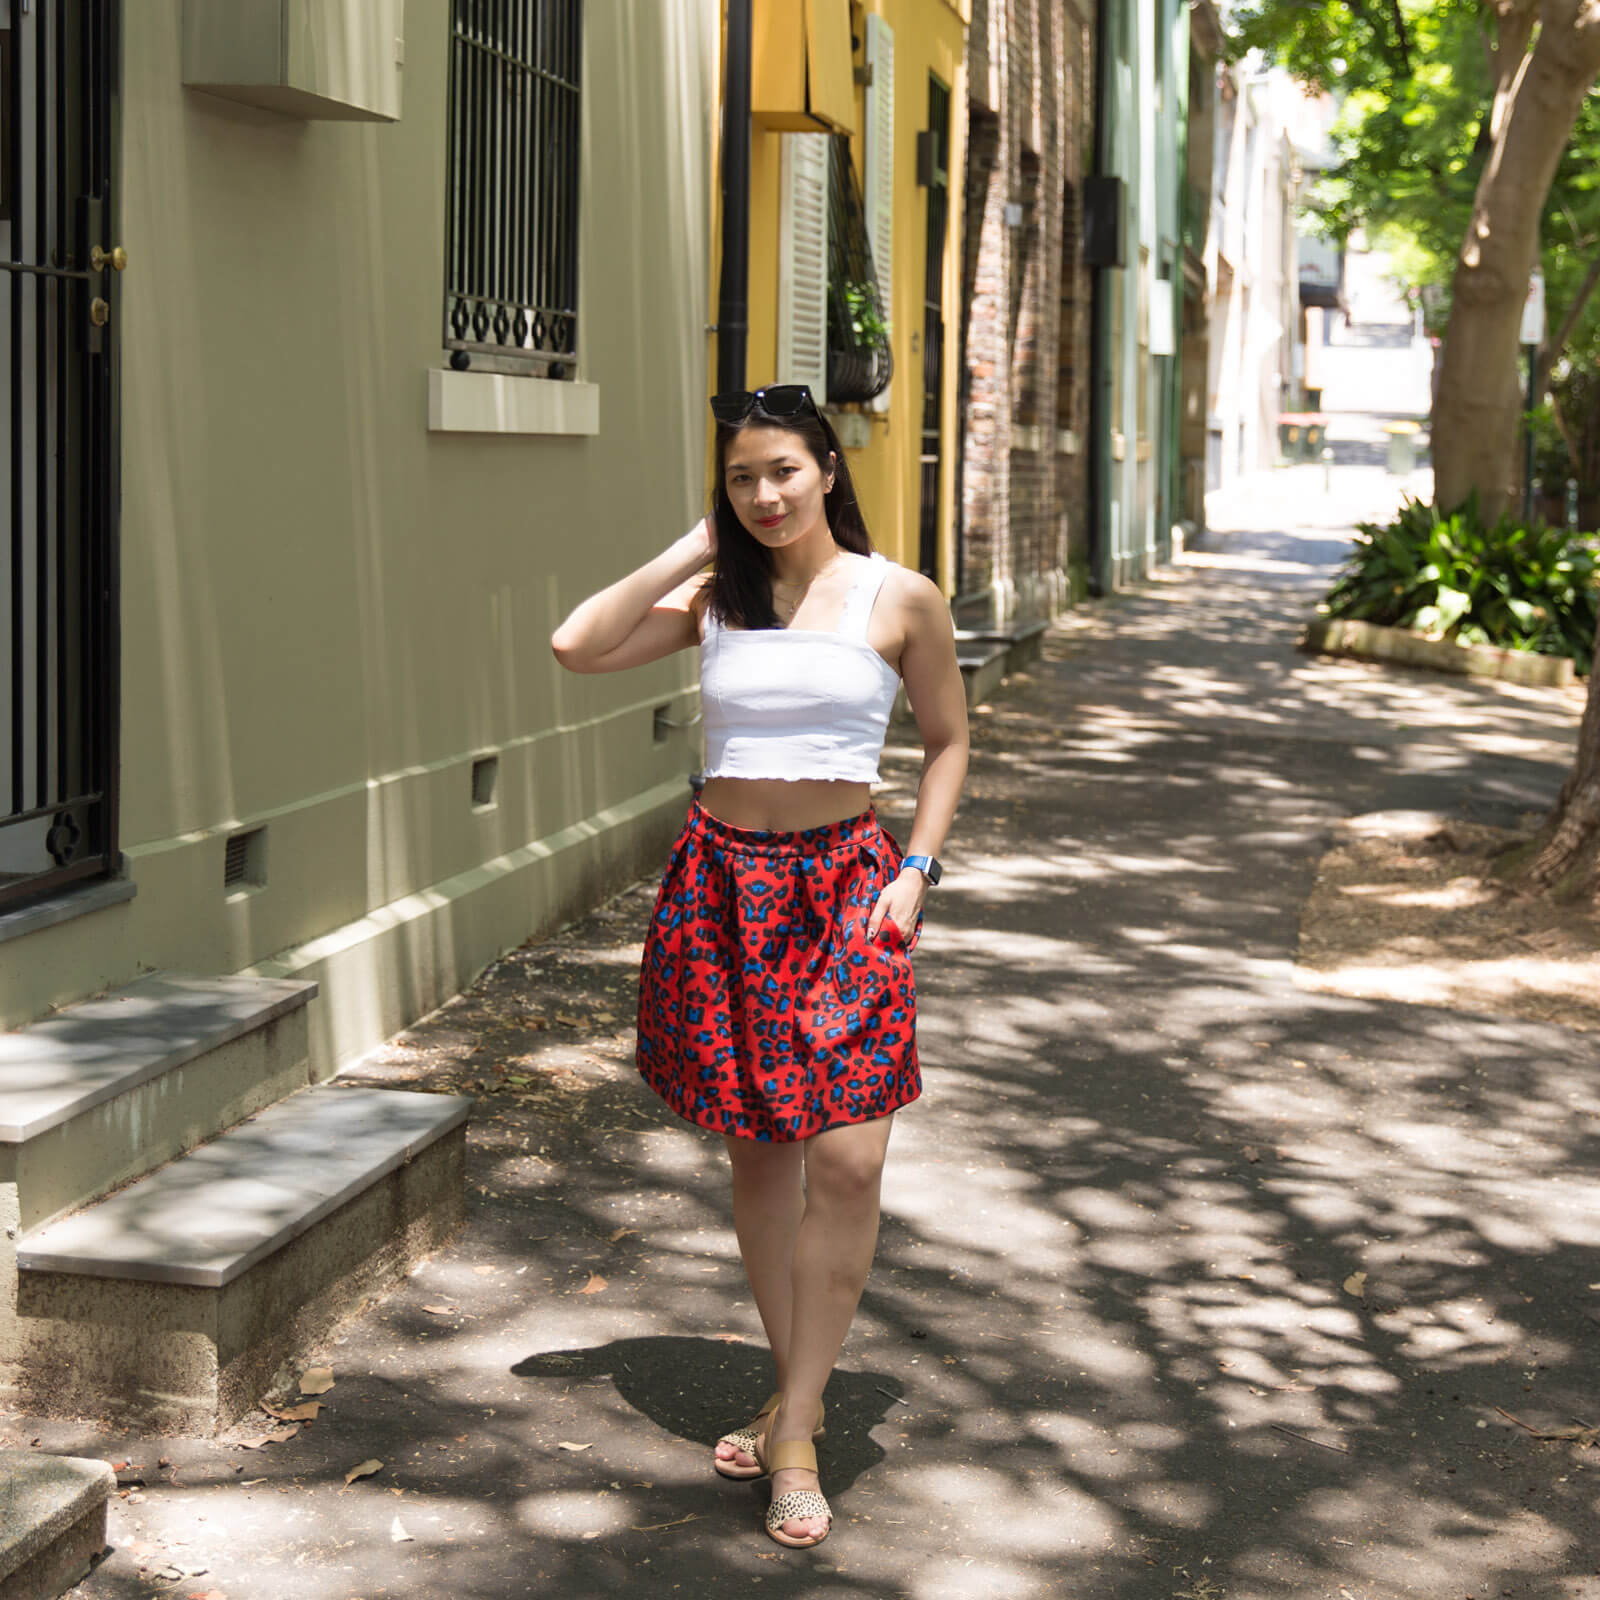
(765, 1012)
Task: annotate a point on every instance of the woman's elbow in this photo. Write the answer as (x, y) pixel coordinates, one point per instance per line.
(566, 650)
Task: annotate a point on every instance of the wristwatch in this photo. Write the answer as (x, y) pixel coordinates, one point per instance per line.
(928, 866)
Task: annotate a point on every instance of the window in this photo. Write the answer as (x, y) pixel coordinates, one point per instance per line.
(833, 327)
(511, 252)
(803, 263)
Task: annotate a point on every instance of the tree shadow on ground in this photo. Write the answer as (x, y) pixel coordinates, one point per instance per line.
(1192, 1285)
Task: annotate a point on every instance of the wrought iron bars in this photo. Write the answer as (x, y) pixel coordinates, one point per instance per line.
(859, 360)
(511, 269)
(57, 750)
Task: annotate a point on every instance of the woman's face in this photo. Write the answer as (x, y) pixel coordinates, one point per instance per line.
(774, 484)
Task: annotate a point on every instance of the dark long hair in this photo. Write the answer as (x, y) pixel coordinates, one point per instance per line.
(741, 585)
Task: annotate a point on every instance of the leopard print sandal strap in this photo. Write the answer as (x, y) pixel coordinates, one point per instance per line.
(747, 1439)
(797, 1505)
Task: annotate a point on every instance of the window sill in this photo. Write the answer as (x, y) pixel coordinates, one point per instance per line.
(76, 902)
(493, 402)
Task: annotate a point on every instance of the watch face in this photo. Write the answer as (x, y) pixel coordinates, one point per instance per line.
(935, 871)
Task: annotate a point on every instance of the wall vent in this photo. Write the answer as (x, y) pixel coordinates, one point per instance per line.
(244, 864)
(484, 773)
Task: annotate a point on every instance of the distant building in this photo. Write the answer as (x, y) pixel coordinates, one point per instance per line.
(1253, 268)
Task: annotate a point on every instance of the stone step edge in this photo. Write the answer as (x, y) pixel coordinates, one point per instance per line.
(26, 1111)
(45, 1251)
(48, 1495)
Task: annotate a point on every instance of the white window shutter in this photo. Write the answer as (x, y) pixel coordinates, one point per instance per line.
(878, 157)
(803, 263)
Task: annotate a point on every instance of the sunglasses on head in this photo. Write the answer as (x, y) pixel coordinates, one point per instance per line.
(777, 400)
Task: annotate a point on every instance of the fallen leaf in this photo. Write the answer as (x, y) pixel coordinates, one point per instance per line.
(567, 1445)
(442, 1311)
(484, 1271)
(621, 1233)
(595, 1284)
(1356, 1284)
(306, 1413)
(364, 1469)
(398, 1535)
(1251, 1153)
(316, 1380)
(273, 1436)
(205, 1594)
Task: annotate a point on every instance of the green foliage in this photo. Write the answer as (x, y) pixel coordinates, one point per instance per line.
(1412, 139)
(1506, 584)
(861, 313)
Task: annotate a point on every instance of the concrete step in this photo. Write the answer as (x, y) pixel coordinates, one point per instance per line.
(983, 669)
(107, 1090)
(173, 1301)
(52, 1522)
(988, 657)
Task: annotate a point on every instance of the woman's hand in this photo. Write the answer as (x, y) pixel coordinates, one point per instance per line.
(901, 905)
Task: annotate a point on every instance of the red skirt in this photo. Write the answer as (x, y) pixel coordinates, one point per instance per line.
(765, 1012)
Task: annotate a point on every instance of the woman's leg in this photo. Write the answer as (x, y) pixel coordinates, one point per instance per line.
(767, 1204)
(832, 1256)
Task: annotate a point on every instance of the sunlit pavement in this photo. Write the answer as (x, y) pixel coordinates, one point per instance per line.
(1191, 1284)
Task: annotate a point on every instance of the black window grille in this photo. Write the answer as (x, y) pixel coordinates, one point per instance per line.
(859, 360)
(511, 269)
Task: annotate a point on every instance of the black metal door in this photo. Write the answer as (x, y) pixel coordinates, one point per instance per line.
(937, 175)
(58, 814)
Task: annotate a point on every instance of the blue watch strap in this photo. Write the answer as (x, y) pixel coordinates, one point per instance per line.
(926, 865)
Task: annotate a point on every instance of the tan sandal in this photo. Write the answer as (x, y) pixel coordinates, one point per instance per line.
(798, 1504)
(749, 1437)
(746, 1439)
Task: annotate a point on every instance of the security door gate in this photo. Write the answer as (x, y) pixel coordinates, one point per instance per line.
(58, 813)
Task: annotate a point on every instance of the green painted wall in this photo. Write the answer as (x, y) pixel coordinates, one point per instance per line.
(328, 610)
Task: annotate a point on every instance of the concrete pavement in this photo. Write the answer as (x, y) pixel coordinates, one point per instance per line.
(1192, 1286)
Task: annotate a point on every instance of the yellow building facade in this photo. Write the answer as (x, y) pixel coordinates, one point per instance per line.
(890, 76)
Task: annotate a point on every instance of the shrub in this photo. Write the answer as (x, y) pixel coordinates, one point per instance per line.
(1447, 574)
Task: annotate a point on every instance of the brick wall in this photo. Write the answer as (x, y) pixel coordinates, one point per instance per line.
(1025, 304)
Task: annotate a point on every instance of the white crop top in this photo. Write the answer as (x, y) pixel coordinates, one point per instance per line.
(798, 702)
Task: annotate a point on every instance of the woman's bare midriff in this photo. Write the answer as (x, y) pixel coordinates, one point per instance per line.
(783, 805)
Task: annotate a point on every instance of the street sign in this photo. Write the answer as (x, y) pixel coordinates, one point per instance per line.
(1533, 310)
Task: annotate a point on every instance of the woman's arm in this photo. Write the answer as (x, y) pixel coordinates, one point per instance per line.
(642, 617)
(939, 702)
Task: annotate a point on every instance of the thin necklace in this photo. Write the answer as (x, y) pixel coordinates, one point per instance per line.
(794, 605)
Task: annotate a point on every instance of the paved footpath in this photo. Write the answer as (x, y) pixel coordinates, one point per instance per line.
(1192, 1286)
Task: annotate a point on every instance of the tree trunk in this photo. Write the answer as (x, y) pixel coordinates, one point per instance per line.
(1563, 858)
(1476, 414)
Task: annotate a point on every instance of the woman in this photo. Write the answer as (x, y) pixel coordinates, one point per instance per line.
(776, 998)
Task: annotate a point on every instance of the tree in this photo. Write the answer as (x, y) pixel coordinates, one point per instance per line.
(1489, 98)
(1538, 94)
(1563, 857)
(1464, 113)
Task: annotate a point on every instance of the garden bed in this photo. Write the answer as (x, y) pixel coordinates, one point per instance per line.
(1345, 636)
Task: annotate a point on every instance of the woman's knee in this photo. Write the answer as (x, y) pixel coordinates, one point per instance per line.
(848, 1176)
(759, 1165)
